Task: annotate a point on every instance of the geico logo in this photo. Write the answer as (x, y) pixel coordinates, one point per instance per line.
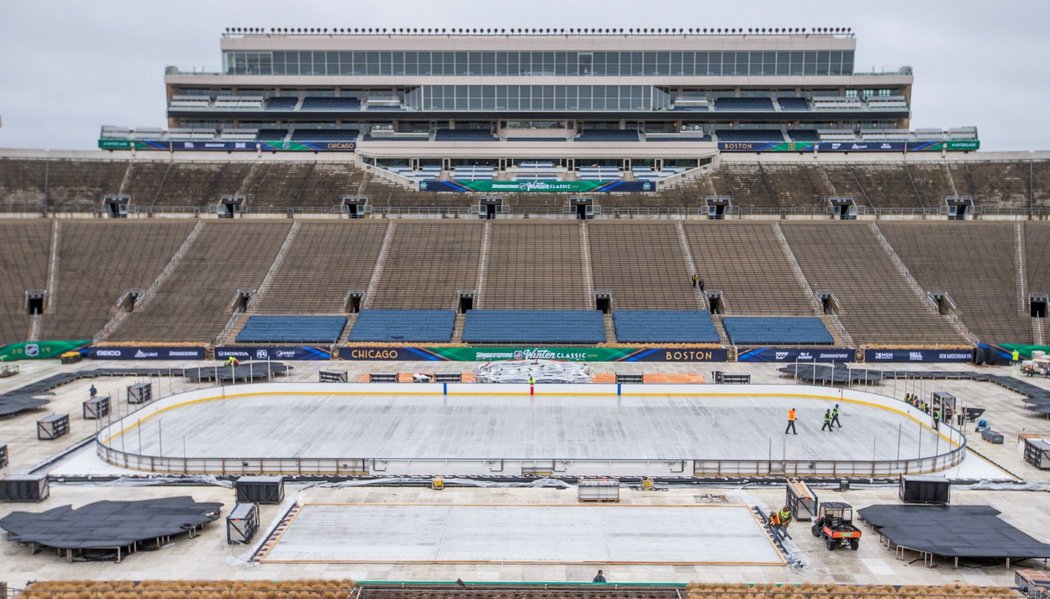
(108, 353)
(374, 354)
(688, 356)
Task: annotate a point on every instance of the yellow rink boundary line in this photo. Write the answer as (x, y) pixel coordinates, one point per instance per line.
(302, 507)
(227, 396)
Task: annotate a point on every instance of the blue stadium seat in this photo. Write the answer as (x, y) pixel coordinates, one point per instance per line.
(534, 326)
(794, 104)
(404, 325)
(776, 330)
(282, 103)
(803, 135)
(749, 135)
(324, 134)
(292, 329)
(271, 134)
(330, 104)
(665, 326)
(757, 104)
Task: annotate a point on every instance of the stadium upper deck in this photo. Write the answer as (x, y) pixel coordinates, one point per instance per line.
(626, 92)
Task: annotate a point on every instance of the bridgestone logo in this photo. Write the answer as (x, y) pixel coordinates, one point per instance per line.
(183, 354)
(493, 355)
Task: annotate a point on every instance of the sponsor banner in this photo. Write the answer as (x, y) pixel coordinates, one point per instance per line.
(39, 350)
(123, 352)
(571, 354)
(227, 146)
(918, 355)
(1025, 350)
(850, 146)
(814, 354)
(530, 186)
(278, 352)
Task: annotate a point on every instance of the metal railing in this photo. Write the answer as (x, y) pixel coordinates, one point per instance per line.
(516, 466)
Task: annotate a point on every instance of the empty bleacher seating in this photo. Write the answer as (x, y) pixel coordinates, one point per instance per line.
(325, 262)
(664, 326)
(433, 326)
(876, 303)
(330, 104)
(271, 134)
(749, 135)
(776, 331)
(100, 261)
(937, 256)
(473, 173)
(196, 301)
(534, 265)
(291, 329)
(23, 263)
(641, 265)
(746, 262)
(325, 134)
(534, 326)
(427, 264)
(744, 104)
(837, 103)
(804, 135)
(793, 104)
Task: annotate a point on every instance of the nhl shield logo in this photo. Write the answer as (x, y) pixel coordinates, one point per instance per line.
(32, 350)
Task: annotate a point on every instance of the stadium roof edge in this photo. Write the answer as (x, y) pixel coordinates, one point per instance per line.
(841, 32)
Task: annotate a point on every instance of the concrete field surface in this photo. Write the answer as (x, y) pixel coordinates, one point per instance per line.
(541, 427)
(687, 535)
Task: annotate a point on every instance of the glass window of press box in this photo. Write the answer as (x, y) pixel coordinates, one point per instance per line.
(541, 97)
(538, 64)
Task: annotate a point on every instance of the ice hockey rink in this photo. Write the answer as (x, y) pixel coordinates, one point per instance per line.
(583, 431)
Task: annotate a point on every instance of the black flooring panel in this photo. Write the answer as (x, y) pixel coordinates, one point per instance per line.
(14, 404)
(1036, 398)
(109, 524)
(973, 531)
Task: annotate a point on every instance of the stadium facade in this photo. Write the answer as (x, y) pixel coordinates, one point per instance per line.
(571, 103)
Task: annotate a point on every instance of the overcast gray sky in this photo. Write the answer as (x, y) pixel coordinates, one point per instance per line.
(68, 67)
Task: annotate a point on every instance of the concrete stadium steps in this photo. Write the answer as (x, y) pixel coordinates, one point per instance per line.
(199, 184)
(535, 266)
(194, 303)
(745, 261)
(23, 262)
(942, 258)
(744, 183)
(876, 303)
(842, 181)
(325, 261)
(22, 183)
(995, 184)
(98, 262)
(81, 184)
(887, 186)
(642, 265)
(427, 264)
(1037, 257)
(798, 186)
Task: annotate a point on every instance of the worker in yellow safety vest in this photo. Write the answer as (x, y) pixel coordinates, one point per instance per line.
(784, 516)
(1015, 357)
